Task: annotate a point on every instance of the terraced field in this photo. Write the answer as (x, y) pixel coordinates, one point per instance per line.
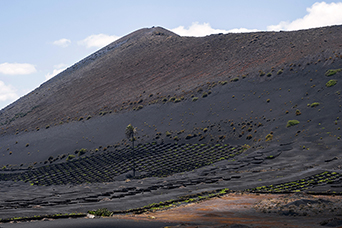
(151, 160)
(304, 184)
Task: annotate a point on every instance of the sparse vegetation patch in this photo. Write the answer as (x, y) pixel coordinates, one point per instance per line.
(292, 123)
(314, 104)
(332, 72)
(331, 83)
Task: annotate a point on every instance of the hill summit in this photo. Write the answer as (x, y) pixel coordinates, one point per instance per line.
(154, 62)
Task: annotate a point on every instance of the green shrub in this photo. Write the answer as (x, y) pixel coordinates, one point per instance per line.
(261, 73)
(101, 212)
(70, 157)
(82, 151)
(177, 100)
(332, 72)
(331, 83)
(164, 99)
(298, 112)
(167, 133)
(195, 99)
(88, 117)
(205, 129)
(234, 79)
(292, 123)
(280, 71)
(204, 94)
(314, 104)
(269, 137)
(223, 82)
(172, 99)
(269, 74)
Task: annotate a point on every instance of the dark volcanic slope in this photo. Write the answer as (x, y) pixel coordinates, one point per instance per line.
(159, 62)
(201, 124)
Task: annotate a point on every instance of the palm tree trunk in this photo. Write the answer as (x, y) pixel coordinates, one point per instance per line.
(133, 155)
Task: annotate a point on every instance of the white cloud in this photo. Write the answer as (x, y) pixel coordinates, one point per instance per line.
(243, 30)
(205, 29)
(319, 14)
(98, 41)
(57, 69)
(7, 92)
(17, 68)
(62, 42)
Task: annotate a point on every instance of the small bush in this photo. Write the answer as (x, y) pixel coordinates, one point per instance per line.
(88, 117)
(70, 157)
(280, 72)
(269, 137)
(189, 136)
(314, 104)
(172, 99)
(331, 83)
(268, 100)
(82, 151)
(205, 129)
(177, 100)
(298, 112)
(195, 99)
(269, 74)
(234, 79)
(139, 107)
(223, 82)
(292, 123)
(101, 212)
(81, 118)
(27, 144)
(332, 72)
(204, 94)
(167, 133)
(261, 73)
(164, 99)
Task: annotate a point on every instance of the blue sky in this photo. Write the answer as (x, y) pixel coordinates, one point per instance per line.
(40, 38)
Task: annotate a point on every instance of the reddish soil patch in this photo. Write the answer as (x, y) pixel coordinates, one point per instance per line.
(235, 209)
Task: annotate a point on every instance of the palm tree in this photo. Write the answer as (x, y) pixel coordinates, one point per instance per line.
(130, 131)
